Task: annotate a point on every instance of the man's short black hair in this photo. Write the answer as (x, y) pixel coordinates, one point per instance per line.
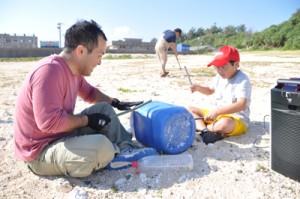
(178, 30)
(83, 33)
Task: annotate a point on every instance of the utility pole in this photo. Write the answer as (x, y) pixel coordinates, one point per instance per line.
(59, 31)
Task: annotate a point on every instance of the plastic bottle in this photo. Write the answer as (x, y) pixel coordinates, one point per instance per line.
(163, 163)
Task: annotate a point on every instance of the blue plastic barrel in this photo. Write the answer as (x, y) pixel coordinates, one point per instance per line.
(168, 128)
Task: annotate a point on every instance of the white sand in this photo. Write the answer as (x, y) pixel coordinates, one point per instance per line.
(231, 168)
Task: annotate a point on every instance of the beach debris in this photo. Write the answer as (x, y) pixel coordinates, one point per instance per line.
(78, 193)
(120, 182)
(62, 185)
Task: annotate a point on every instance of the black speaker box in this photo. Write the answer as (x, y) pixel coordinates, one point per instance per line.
(285, 128)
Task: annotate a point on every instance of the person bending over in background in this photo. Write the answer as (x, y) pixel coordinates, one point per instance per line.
(232, 89)
(48, 136)
(165, 41)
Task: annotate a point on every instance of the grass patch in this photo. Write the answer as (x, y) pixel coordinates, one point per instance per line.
(275, 53)
(122, 56)
(114, 189)
(20, 59)
(182, 83)
(261, 167)
(127, 56)
(127, 90)
(203, 71)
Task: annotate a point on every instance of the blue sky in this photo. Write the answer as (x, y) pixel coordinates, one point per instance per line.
(144, 19)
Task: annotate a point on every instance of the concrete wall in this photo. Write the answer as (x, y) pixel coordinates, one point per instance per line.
(42, 52)
(28, 52)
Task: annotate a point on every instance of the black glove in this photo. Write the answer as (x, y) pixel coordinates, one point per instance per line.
(97, 121)
(124, 105)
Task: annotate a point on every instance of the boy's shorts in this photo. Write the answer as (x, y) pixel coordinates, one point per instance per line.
(239, 128)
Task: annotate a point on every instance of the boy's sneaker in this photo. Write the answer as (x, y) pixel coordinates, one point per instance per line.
(129, 155)
(210, 137)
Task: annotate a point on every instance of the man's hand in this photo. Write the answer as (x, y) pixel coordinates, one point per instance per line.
(97, 121)
(124, 105)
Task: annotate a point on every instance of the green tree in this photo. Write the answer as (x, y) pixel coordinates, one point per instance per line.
(214, 29)
(241, 28)
(191, 34)
(283, 36)
(229, 30)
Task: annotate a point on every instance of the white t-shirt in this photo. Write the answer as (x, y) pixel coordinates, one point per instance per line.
(227, 91)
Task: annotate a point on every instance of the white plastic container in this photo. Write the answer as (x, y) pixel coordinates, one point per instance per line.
(164, 163)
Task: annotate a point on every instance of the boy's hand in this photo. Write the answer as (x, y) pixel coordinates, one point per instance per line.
(212, 115)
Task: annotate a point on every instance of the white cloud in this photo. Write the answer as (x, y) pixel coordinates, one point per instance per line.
(122, 32)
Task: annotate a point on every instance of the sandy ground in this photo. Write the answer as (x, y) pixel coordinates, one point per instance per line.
(237, 167)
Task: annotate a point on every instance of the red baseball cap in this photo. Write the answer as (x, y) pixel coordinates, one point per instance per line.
(224, 55)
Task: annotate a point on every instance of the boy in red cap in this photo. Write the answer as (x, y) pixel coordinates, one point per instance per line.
(232, 89)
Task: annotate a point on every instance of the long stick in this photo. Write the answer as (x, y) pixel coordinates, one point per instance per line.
(132, 109)
(178, 63)
(188, 75)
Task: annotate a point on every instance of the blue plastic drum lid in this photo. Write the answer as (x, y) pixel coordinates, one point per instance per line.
(167, 128)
